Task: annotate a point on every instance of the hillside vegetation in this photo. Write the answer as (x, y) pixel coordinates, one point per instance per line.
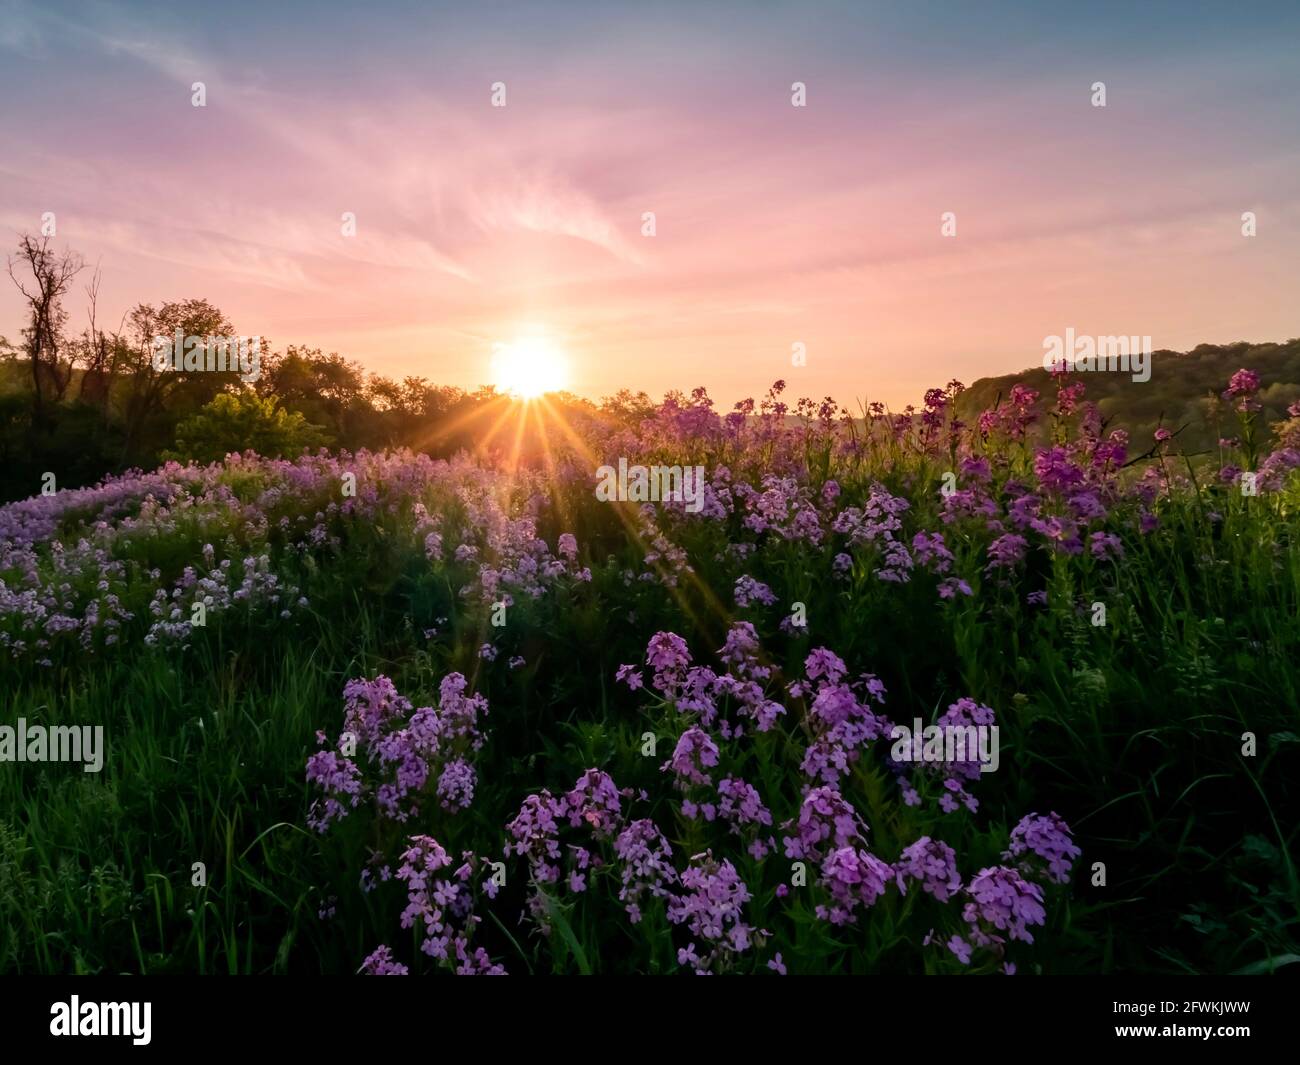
(1184, 390)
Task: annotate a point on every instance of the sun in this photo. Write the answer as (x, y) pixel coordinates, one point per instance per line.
(529, 368)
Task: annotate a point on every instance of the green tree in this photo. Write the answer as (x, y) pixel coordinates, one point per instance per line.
(239, 421)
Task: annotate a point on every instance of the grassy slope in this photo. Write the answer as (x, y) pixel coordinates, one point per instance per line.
(1131, 732)
(1180, 388)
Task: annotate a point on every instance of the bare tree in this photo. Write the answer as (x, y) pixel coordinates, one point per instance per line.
(51, 274)
(97, 352)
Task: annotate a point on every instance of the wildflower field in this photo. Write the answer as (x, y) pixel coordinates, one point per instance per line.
(383, 713)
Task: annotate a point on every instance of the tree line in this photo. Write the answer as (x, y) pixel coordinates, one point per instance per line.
(89, 401)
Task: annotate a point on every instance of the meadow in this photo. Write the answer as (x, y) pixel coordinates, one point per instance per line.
(379, 712)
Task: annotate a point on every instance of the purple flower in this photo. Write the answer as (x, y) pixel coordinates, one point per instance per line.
(741, 807)
(852, 877)
(950, 586)
(666, 652)
(826, 822)
(341, 781)
(441, 904)
(711, 906)
(822, 664)
(595, 801)
(960, 948)
(456, 785)
(934, 864)
(1002, 901)
(1007, 551)
(534, 833)
(749, 591)
(931, 551)
(1047, 838)
(401, 750)
(380, 963)
(1105, 546)
(1243, 383)
(645, 866)
(693, 756)
(968, 722)
(631, 676)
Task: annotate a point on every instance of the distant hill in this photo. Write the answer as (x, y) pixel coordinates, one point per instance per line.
(1181, 388)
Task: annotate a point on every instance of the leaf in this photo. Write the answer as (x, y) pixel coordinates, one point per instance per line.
(558, 919)
(1267, 965)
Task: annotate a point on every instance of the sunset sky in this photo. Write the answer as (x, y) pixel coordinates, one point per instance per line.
(775, 224)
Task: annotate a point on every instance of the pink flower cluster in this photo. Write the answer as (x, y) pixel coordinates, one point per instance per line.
(391, 752)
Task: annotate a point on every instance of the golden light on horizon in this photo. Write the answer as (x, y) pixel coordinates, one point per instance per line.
(529, 367)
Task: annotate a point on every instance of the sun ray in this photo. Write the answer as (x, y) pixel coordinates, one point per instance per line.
(441, 431)
(635, 531)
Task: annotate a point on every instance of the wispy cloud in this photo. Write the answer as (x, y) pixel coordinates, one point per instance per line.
(774, 225)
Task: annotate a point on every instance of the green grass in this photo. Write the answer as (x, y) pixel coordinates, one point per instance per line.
(1132, 731)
